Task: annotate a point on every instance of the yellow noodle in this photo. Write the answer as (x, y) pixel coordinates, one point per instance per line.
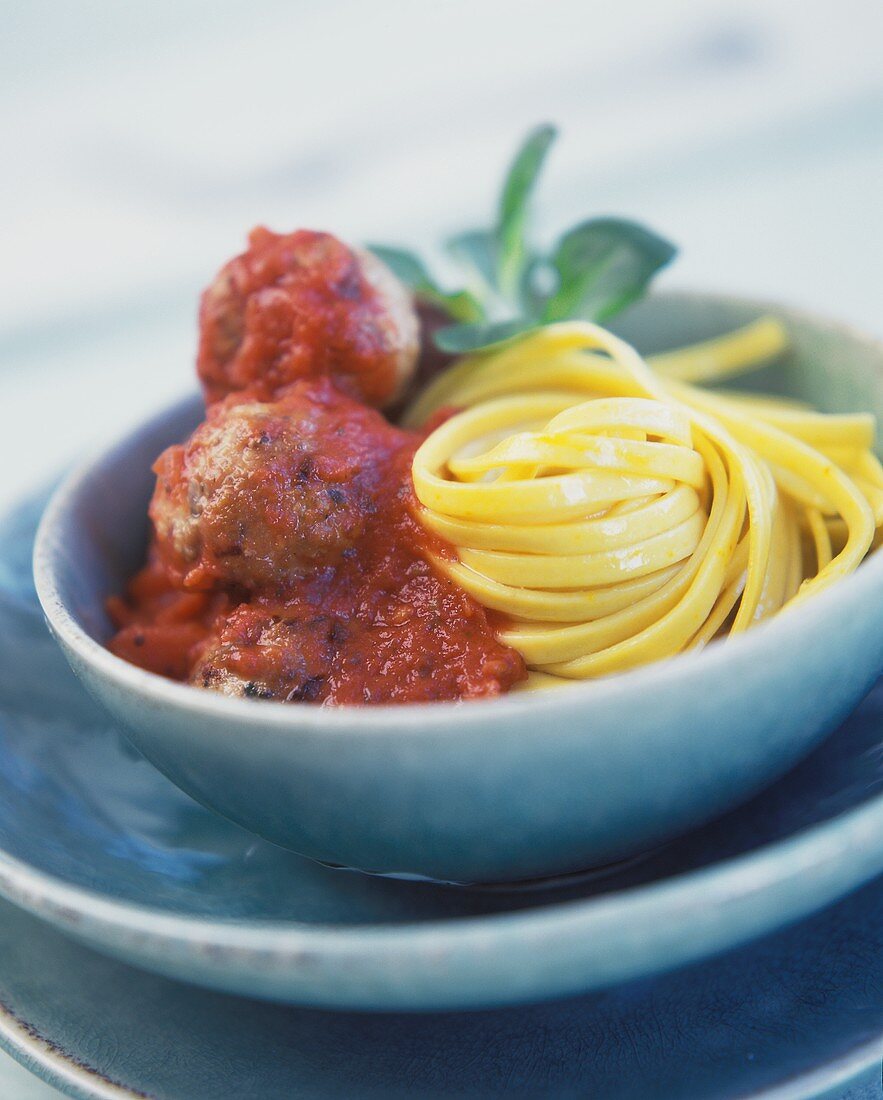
(617, 514)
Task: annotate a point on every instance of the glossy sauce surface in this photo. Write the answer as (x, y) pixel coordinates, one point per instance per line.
(371, 621)
(304, 305)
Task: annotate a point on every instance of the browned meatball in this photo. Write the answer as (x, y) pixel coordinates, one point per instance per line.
(259, 654)
(304, 305)
(261, 493)
(431, 362)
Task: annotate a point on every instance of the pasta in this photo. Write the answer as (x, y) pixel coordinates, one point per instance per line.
(616, 513)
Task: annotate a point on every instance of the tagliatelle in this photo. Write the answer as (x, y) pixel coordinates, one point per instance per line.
(618, 514)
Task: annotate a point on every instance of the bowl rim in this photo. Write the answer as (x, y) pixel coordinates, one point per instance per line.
(782, 629)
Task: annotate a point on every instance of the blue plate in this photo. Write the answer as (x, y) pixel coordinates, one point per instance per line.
(794, 1016)
(94, 839)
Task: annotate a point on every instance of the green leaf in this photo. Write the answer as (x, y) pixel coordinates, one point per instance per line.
(406, 265)
(512, 217)
(476, 249)
(460, 339)
(459, 304)
(534, 291)
(603, 265)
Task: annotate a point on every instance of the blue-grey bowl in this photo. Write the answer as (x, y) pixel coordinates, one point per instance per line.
(520, 787)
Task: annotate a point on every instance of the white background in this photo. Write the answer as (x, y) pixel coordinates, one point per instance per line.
(140, 142)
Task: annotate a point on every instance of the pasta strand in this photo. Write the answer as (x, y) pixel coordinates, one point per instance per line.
(616, 513)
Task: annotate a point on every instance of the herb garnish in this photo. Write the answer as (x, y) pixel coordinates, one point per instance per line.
(592, 272)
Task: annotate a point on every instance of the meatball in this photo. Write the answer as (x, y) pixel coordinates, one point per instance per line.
(430, 362)
(258, 654)
(264, 492)
(304, 305)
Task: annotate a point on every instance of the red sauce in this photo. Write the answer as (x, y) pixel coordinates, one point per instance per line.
(300, 305)
(381, 624)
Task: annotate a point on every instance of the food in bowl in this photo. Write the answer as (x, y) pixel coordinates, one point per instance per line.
(539, 505)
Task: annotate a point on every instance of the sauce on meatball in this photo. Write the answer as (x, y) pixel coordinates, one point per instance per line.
(287, 561)
(305, 305)
(316, 603)
(263, 492)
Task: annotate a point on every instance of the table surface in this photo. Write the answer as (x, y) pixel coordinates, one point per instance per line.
(750, 131)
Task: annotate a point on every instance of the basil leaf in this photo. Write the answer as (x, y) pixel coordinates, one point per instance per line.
(512, 217)
(459, 304)
(405, 265)
(603, 265)
(459, 339)
(535, 287)
(476, 249)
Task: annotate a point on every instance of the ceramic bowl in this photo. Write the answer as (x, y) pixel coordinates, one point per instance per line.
(514, 788)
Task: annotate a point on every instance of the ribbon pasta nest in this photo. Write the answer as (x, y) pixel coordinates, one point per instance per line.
(616, 513)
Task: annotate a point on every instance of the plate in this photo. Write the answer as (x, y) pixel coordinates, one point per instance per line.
(796, 1015)
(95, 840)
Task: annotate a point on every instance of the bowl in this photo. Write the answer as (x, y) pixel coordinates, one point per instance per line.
(521, 787)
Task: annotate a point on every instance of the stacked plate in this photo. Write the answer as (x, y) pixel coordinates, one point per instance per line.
(97, 848)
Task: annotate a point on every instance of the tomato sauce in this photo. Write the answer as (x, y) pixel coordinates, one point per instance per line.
(381, 625)
(302, 305)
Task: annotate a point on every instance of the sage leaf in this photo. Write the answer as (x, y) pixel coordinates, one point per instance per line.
(459, 304)
(463, 339)
(603, 265)
(513, 210)
(476, 250)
